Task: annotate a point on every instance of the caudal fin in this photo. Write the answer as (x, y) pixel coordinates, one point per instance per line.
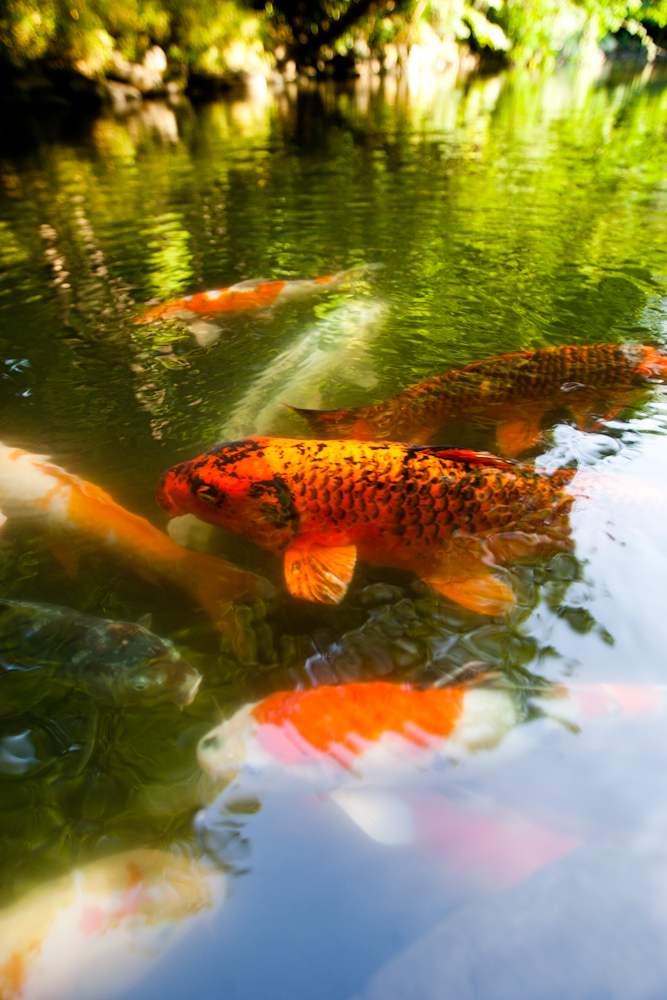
(336, 423)
(220, 587)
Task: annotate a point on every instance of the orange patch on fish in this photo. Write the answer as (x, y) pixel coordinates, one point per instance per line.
(330, 715)
(329, 735)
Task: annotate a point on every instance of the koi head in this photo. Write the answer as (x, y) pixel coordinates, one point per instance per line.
(235, 487)
(224, 751)
(125, 663)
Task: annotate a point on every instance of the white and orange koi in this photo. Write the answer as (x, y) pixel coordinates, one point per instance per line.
(350, 741)
(33, 488)
(255, 294)
(102, 925)
(364, 747)
(354, 742)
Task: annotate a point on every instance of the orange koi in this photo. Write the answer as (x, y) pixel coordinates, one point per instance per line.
(255, 294)
(447, 514)
(514, 390)
(32, 487)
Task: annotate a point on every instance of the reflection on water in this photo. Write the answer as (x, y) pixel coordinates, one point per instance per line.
(511, 213)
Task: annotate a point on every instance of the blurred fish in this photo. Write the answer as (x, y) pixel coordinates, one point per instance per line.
(332, 350)
(97, 931)
(115, 662)
(447, 514)
(368, 747)
(575, 702)
(516, 390)
(336, 740)
(32, 488)
(256, 294)
(357, 742)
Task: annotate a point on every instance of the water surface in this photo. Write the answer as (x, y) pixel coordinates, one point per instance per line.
(510, 213)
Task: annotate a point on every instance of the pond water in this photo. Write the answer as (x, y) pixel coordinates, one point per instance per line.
(511, 212)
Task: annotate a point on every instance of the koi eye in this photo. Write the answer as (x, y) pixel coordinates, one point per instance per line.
(209, 494)
(210, 743)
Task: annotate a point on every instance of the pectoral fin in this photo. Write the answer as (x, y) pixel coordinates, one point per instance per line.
(480, 592)
(382, 816)
(68, 557)
(590, 411)
(515, 436)
(320, 573)
(3, 519)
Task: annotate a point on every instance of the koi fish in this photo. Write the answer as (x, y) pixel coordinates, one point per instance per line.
(256, 294)
(101, 926)
(356, 729)
(447, 514)
(33, 488)
(353, 742)
(116, 662)
(334, 739)
(593, 382)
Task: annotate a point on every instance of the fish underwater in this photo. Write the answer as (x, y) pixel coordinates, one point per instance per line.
(115, 662)
(98, 930)
(255, 294)
(355, 742)
(449, 515)
(331, 353)
(350, 728)
(514, 390)
(335, 740)
(32, 488)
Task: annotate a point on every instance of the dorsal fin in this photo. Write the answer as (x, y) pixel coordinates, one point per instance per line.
(249, 284)
(464, 455)
(323, 416)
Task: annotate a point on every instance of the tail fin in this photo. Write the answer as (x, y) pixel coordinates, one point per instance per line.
(334, 423)
(219, 586)
(157, 312)
(360, 269)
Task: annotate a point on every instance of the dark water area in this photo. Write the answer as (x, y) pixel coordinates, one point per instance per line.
(510, 213)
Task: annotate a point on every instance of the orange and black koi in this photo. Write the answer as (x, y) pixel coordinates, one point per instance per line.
(516, 390)
(448, 515)
(255, 294)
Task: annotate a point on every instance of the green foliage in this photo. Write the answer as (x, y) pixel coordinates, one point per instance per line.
(205, 34)
(540, 31)
(214, 35)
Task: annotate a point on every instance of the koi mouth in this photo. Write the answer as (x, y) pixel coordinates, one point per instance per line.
(164, 500)
(189, 690)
